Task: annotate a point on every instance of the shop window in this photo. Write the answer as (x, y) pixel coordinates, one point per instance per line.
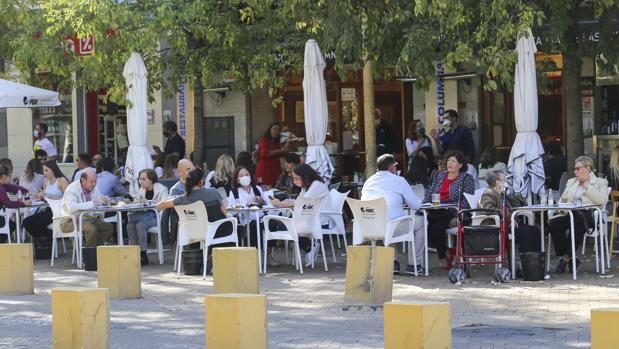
(59, 121)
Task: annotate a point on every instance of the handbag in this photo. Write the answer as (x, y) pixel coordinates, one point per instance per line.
(480, 240)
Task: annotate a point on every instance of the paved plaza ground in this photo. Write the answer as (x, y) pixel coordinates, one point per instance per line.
(306, 311)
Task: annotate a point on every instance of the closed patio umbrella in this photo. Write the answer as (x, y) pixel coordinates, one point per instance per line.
(315, 110)
(16, 95)
(525, 167)
(138, 156)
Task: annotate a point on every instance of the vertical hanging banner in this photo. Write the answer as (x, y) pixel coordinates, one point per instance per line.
(181, 110)
(441, 96)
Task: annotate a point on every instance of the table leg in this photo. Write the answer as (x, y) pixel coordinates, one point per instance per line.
(513, 244)
(601, 238)
(119, 219)
(425, 240)
(573, 244)
(17, 226)
(80, 223)
(258, 242)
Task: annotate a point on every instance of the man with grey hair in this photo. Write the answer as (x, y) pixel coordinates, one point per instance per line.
(169, 231)
(396, 191)
(81, 195)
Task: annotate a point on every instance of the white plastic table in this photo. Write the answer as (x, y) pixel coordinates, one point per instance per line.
(569, 208)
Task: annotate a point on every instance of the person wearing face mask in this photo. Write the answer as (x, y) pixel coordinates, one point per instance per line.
(385, 142)
(42, 142)
(458, 137)
(174, 142)
(415, 142)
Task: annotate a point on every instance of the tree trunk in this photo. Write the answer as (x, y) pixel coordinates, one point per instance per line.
(573, 106)
(368, 118)
(198, 123)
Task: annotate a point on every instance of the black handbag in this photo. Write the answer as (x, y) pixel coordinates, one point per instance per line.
(480, 240)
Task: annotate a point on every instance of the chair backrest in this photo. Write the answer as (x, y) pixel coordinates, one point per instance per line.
(336, 201)
(224, 195)
(54, 205)
(306, 216)
(193, 220)
(483, 184)
(473, 200)
(419, 191)
(479, 191)
(370, 219)
(168, 182)
(335, 186)
(562, 182)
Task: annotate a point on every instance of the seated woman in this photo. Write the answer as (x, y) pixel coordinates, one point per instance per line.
(312, 186)
(195, 191)
(529, 236)
(224, 172)
(139, 222)
(451, 185)
(32, 178)
(5, 201)
(245, 193)
(584, 189)
(488, 163)
(53, 187)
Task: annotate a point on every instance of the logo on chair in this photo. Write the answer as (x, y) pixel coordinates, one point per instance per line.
(308, 207)
(367, 210)
(189, 212)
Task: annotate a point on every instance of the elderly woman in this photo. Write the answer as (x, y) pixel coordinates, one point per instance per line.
(492, 198)
(450, 185)
(584, 189)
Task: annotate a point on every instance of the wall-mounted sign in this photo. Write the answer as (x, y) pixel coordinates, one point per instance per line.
(348, 94)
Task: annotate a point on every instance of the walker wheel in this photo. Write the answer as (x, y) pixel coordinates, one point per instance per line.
(456, 275)
(503, 275)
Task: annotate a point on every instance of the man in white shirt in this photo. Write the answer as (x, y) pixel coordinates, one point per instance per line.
(396, 191)
(81, 195)
(42, 142)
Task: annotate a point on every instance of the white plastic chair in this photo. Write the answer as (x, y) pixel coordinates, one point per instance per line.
(595, 233)
(57, 233)
(157, 231)
(335, 216)
(5, 229)
(194, 226)
(371, 223)
(305, 222)
(335, 186)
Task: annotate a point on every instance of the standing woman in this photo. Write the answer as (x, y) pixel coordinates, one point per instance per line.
(54, 186)
(140, 222)
(450, 185)
(270, 151)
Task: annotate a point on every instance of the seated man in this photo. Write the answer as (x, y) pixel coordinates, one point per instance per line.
(285, 182)
(80, 195)
(396, 191)
(107, 182)
(169, 231)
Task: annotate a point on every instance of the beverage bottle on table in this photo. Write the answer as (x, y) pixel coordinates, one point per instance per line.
(20, 196)
(543, 199)
(551, 198)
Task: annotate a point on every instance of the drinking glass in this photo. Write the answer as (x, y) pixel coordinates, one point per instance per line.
(543, 199)
(436, 199)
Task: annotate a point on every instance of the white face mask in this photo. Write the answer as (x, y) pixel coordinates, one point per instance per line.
(376, 122)
(245, 180)
(35, 133)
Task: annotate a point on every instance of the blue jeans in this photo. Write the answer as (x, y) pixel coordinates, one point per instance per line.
(137, 228)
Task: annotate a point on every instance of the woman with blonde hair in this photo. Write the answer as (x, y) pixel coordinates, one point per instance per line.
(224, 171)
(613, 169)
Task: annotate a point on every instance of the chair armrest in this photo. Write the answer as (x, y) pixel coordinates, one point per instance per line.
(401, 219)
(331, 213)
(222, 221)
(269, 217)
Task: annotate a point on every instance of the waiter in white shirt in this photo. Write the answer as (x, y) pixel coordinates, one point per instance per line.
(81, 195)
(42, 142)
(396, 191)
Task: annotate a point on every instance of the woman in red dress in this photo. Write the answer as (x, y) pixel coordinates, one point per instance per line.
(270, 151)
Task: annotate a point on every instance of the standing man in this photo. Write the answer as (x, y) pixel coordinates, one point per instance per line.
(396, 191)
(458, 138)
(385, 142)
(174, 142)
(80, 195)
(42, 142)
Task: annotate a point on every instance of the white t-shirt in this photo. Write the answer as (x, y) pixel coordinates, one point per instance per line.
(411, 145)
(394, 189)
(46, 145)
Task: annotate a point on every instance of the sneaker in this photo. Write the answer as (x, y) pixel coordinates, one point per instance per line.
(410, 270)
(311, 256)
(561, 266)
(143, 258)
(396, 267)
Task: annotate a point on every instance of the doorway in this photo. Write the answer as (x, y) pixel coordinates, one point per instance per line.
(219, 138)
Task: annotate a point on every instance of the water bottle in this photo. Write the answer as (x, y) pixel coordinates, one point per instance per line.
(20, 196)
(551, 198)
(543, 199)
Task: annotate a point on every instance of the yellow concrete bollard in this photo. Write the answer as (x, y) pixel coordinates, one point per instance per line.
(80, 318)
(417, 325)
(236, 321)
(119, 270)
(369, 275)
(16, 269)
(604, 322)
(235, 270)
